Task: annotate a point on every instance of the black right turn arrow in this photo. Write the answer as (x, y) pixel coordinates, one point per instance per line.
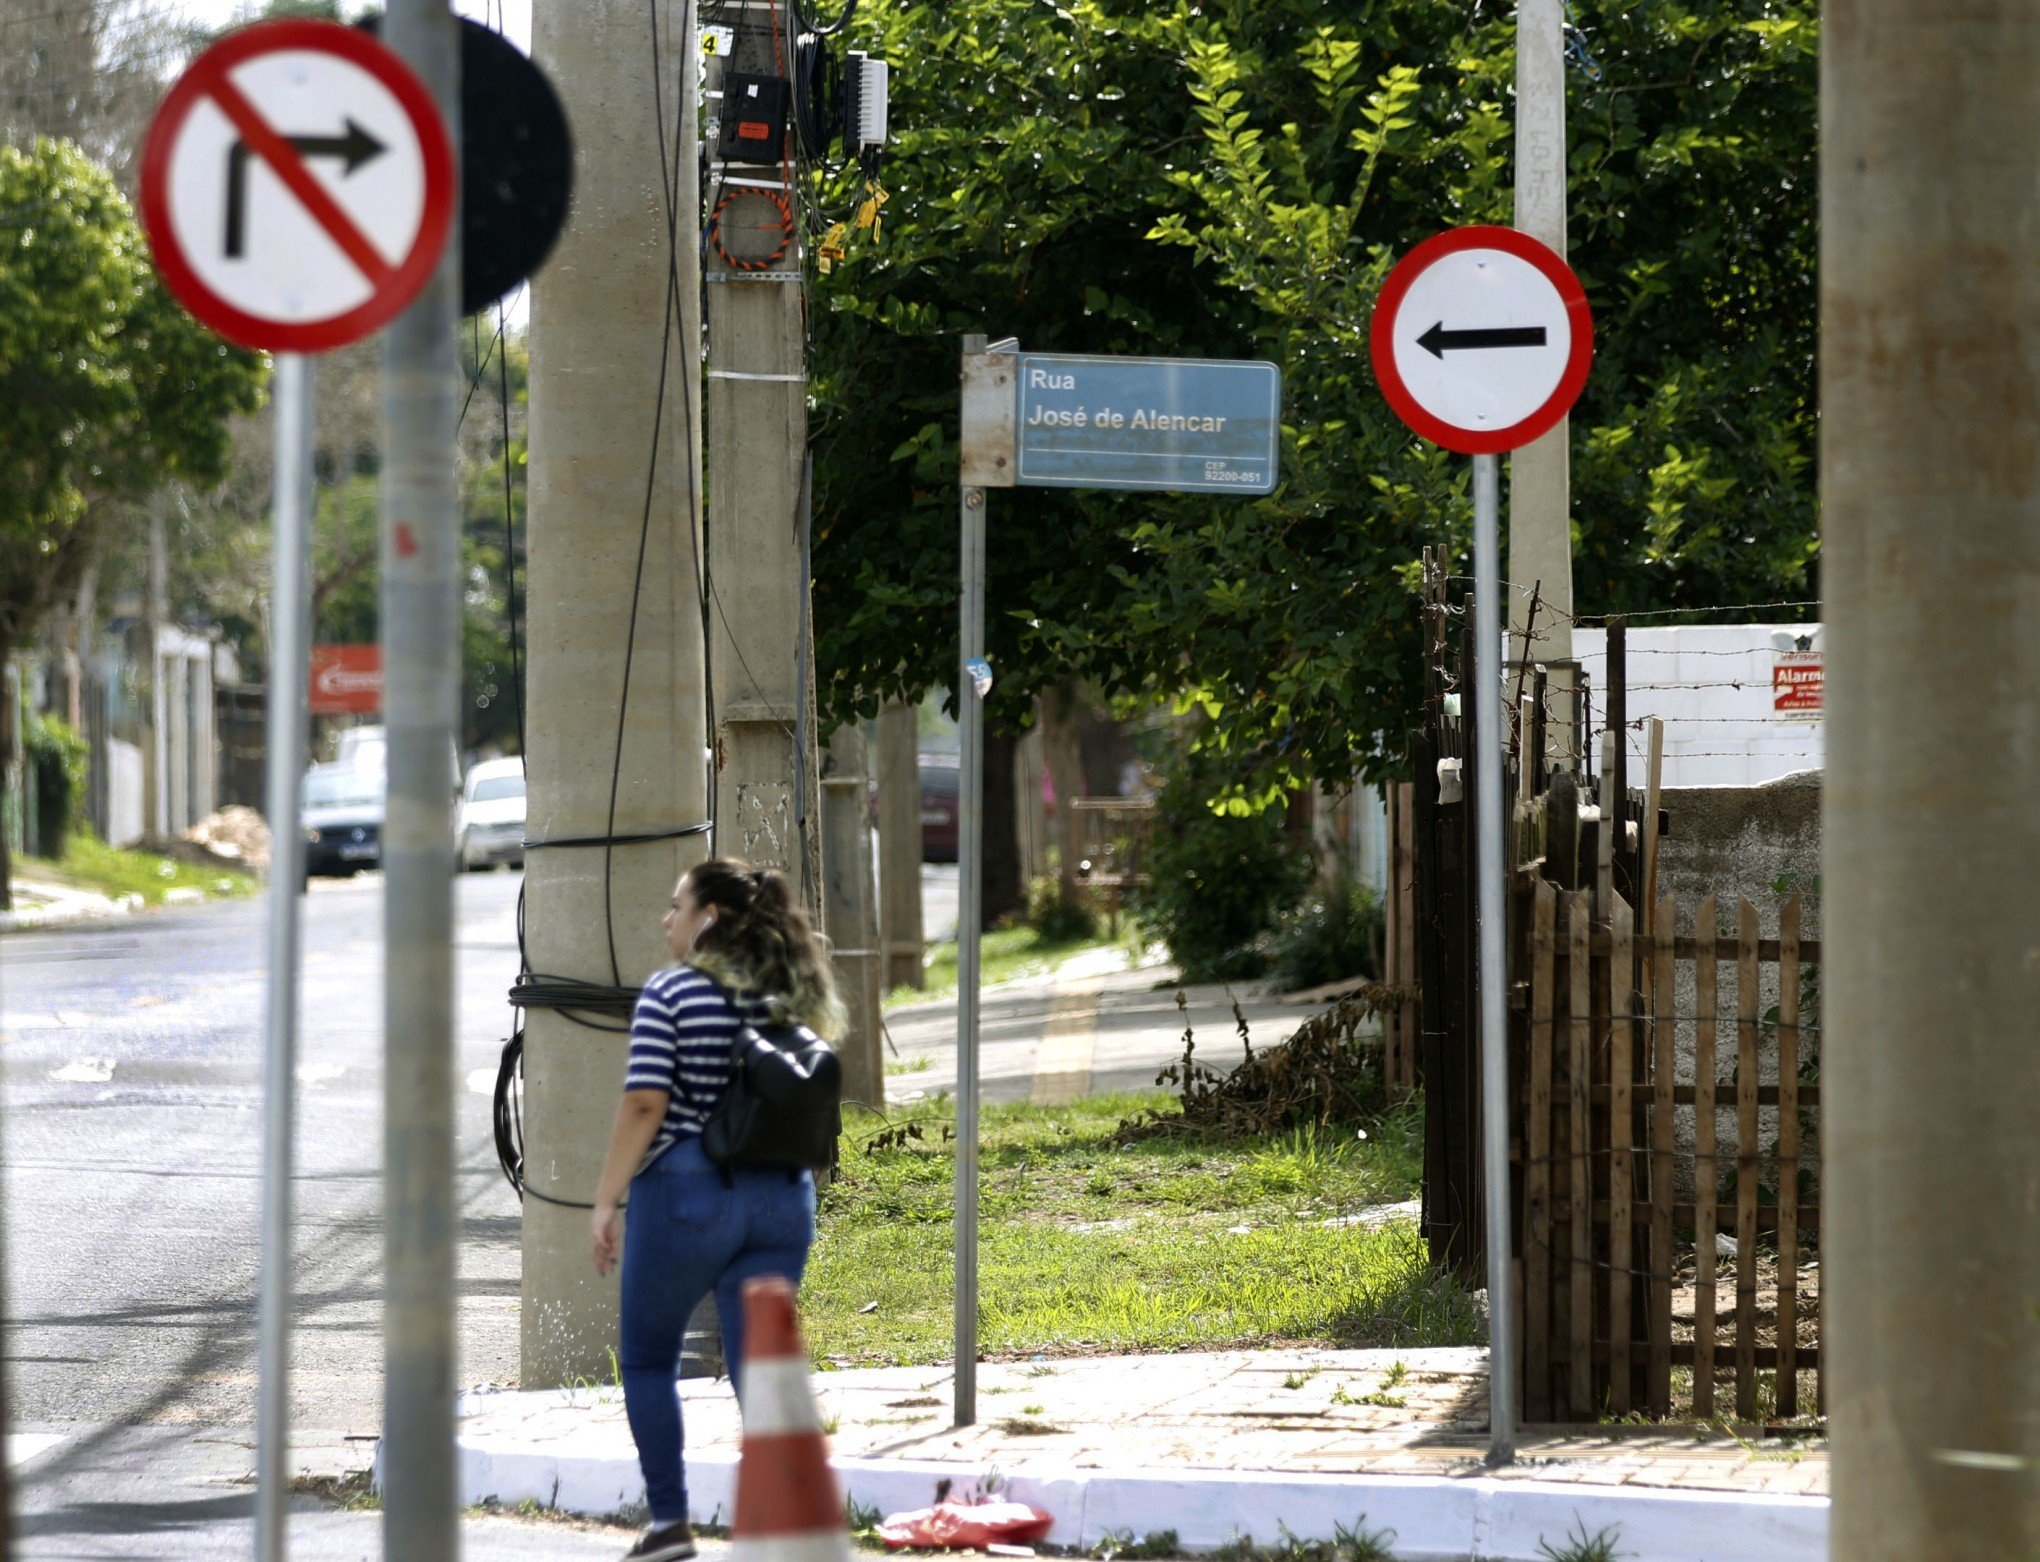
(1438, 341)
(354, 148)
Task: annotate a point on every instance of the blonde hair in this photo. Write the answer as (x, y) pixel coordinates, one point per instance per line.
(761, 944)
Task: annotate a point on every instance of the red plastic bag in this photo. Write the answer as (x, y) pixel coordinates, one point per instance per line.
(965, 1526)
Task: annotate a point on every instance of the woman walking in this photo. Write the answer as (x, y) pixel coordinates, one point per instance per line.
(746, 952)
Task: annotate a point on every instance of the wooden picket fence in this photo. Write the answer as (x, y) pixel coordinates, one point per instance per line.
(1619, 1209)
(1399, 1033)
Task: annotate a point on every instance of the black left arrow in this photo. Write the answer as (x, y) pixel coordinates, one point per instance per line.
(1438, 341)
(354, 148)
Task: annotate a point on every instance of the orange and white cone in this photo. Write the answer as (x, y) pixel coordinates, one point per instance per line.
(788, 1506)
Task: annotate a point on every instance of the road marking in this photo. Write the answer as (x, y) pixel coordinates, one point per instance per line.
(86, 1071)
(1062, 1063)
(24, 1446)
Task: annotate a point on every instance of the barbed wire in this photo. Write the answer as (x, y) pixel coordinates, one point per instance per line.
(1601, 620)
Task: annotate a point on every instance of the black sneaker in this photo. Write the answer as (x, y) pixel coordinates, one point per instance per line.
(663, 1543)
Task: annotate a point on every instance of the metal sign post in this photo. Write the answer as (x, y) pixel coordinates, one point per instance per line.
(1179, 425)
(298, 186)
(290, 622)
(972, 686)
(1481, 341)
(1492, 908)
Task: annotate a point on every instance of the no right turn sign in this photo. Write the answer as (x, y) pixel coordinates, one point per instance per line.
(298, 186)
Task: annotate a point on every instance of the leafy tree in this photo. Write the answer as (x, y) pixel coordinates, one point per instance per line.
(108, 390)
(89, 71)
(221, 557)
(1236, 179)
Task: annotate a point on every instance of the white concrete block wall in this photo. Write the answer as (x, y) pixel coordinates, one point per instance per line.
(1711, 686)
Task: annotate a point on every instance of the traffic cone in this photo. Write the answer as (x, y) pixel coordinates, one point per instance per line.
(788, 1506)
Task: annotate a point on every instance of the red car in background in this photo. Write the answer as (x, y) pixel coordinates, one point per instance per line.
(938, 808)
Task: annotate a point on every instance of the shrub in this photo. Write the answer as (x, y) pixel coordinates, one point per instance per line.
(56, 756)
(1333, 933)
(1216, 881)
(1056, 920)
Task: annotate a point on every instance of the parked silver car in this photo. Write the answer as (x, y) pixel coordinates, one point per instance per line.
(492, 815)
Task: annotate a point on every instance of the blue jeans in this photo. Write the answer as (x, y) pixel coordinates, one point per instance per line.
(686, 1234)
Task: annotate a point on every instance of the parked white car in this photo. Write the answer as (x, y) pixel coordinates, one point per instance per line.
(492, 815)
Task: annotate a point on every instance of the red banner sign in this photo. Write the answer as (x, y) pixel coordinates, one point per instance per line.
(346, 680)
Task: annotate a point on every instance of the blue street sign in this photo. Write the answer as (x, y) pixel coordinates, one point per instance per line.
(1188, 425)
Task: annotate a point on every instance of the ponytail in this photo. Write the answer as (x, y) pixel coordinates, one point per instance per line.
(763, 945)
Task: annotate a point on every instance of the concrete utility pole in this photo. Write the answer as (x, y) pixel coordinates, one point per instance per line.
(849, 905)
(767, 797)
(899, 846)
(156, 613)
(615, 468)
(420, 613)
(1540, 493)
(1930, 347)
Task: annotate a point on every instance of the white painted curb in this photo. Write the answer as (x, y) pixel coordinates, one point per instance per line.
(1435, 1518)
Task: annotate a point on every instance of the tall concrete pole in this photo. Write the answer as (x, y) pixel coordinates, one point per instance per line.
(1930, 489)
(767, 797)
(614, 527)
(850, 908)
(420, 614)
(1540, 479)
(155, 774)
(899, 846)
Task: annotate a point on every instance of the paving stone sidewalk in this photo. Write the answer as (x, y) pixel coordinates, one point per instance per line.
(1330, 1412)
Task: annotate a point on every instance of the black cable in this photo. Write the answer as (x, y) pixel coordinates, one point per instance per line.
(481, 364)
(510, 538)
(638, 839)
(835, 27)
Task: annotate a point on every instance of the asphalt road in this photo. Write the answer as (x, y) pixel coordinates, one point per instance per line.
(132, 1143)
(131, 1135)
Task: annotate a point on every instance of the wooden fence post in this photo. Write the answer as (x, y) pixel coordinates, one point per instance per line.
(1706, 1167)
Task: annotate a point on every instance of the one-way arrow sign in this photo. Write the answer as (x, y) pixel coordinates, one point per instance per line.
(1514, 356)
(1438, 341)
(354, 148)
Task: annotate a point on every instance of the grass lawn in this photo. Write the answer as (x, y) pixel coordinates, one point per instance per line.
(1089, 1243)
(89, 863)
(1006, 955)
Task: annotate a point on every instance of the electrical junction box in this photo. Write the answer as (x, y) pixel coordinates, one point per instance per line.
(866, 84)
(753, 120)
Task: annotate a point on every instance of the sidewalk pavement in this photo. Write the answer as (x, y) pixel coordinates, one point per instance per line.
(1208, 1445)
(1211, 1446)
(38, 904)
(1091, 1028)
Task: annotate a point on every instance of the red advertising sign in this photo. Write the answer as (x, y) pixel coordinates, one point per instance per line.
(1796, 678)
(346, 680)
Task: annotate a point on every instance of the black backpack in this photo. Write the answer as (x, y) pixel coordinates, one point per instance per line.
(783, 1104)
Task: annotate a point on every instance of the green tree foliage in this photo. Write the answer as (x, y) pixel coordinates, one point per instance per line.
(108, 389)
(1237, 179)
(221, 558)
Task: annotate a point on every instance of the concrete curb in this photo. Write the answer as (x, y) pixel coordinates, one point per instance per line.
(65, 914)
(1435, 1518)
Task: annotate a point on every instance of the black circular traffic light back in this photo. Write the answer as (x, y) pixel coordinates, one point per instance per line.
(516, 165)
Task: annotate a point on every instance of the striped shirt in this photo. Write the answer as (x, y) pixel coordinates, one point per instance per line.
(682, 1039)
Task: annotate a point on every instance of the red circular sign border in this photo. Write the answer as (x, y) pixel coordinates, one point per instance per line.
(409, 276)
(1381, 339)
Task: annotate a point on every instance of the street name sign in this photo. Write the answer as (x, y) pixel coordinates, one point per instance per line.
(1184, 425)
(297, 186)
(1482, 339)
